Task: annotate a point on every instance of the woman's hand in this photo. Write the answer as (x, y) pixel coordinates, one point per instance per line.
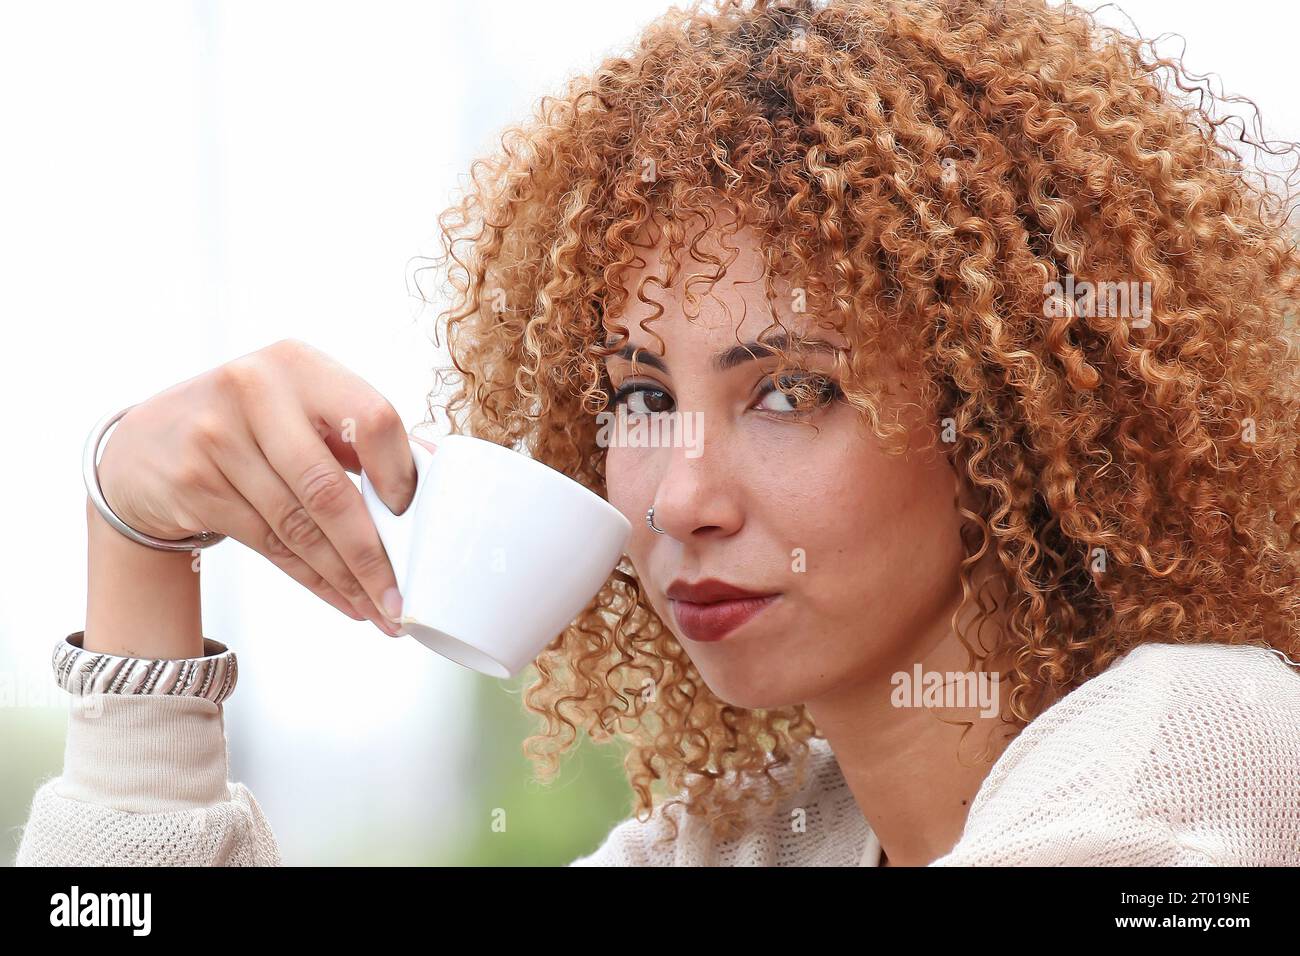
(257, 449)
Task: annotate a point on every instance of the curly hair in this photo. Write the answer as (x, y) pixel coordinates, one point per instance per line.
(941, 177)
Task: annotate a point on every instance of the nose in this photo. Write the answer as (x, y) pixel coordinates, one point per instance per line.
(697, 495)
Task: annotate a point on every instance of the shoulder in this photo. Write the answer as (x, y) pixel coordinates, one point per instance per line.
(813, 820)
(1178, 753)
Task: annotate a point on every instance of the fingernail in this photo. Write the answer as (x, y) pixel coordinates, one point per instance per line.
(392, 601)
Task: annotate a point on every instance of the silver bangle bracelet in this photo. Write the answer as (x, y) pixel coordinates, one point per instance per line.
(90, 471)
(81, 672)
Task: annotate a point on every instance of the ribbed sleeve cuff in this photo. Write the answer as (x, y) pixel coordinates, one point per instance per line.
(145, 753)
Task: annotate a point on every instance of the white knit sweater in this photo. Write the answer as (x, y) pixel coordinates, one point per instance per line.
(1176, 755)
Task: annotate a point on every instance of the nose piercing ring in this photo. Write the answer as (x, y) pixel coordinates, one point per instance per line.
(650, 520)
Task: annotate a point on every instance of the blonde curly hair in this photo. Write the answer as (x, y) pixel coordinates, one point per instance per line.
(928, 169)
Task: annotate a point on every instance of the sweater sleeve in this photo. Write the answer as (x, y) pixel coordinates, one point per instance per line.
(145, 783)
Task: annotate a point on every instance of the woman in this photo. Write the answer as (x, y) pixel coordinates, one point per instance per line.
(987, 334)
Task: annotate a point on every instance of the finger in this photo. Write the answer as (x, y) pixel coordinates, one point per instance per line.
(316, 479)
(355, 420)
(235, 517)
(295, 531)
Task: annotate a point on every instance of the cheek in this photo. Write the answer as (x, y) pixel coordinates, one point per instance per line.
(876, 529)
(622, 478)
(630, 488)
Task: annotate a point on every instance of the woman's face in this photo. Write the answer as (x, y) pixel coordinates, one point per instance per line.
(860, 548)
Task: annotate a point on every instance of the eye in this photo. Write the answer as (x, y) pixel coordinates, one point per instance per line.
(793, 395)
(800, 393)
(641, 399)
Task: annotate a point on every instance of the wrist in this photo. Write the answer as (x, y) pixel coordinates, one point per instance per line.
(141, 602)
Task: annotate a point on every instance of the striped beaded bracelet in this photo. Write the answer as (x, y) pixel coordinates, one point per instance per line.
(81, 672)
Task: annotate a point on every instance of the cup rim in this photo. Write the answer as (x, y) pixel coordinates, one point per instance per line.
(551, 473)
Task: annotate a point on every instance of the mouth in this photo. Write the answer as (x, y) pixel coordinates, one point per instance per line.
(715, 620)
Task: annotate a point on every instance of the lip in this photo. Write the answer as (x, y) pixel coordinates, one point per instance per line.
(709, 590)
(710, 609)
(713, 622)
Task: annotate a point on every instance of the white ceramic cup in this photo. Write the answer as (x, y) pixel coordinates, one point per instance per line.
(496, 554)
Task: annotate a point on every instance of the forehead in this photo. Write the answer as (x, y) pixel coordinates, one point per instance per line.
(735, 306)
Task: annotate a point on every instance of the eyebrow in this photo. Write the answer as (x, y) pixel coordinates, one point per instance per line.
(737, 354)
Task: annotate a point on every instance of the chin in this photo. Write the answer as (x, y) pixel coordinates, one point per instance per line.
(764, 667)
(752, 698)
(754, 682)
